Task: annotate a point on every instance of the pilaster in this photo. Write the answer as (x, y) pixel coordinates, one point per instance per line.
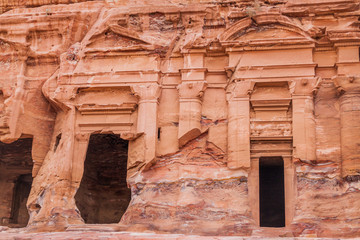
(80, 148)
(304, 131)
(190, 110)
(148, 95)
(190, 94)
(349, 88)
(239, 124)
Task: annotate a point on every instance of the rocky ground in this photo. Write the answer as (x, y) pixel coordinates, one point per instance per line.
(108, 231)
(127, 235)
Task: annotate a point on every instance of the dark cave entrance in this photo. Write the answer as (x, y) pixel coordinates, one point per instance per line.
(103, 195)
(15, 182)
(272, 193)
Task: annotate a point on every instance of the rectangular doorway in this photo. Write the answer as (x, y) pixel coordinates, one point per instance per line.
(272, 192)
(15, 182)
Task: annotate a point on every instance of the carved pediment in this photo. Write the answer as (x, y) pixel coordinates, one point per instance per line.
(268, 32)
(267, 29)
(115, 36)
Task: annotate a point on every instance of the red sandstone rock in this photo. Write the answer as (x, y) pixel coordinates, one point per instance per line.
(183, 103)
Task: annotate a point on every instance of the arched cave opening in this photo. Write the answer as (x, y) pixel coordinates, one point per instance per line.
(272, 192)
(103, 195)
(15, 182)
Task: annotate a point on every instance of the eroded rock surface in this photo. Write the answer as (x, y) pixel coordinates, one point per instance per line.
(185, 100)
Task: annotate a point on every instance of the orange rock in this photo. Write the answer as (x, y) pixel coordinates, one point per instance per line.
(192, 117)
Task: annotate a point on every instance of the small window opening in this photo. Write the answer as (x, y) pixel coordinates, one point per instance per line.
(159, 133)
(57, 141)
(272, 193)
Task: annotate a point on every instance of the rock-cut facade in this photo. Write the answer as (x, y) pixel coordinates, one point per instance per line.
(229, 117)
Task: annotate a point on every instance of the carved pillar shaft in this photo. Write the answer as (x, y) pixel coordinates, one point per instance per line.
(349, 87)
(147, 117)
(80, 148)
(304, 127)
(239, 133)
(53, 188)
(17, 103)
(190, 115)
(40, 147)
(239, 124)
(147, 123)
(350, 133)
(190, 110)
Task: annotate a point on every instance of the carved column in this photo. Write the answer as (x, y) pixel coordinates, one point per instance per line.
(53, 188)
(304, 131)
(17, 103)
(239, 125)
(80, 148)
(191, 91)
(148, 95)
(190, 110)
(349, 87)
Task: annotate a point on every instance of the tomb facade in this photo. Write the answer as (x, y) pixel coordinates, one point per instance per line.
(228, 117)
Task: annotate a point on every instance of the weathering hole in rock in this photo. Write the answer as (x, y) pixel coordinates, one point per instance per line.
(103, 195)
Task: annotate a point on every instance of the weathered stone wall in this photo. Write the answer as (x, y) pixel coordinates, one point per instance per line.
(201, 90)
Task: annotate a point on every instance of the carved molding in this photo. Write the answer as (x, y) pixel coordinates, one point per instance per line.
(95, 109)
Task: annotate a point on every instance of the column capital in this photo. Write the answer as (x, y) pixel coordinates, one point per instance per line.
(305, 86)
(191, 90)
(239, 90)
(146, 92)
(347, 84)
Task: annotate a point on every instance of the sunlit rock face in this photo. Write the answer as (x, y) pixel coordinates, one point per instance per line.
(194, 117)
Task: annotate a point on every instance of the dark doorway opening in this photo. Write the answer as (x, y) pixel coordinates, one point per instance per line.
(103, 195)
(272, 194)
(19, 212)
(15, 182)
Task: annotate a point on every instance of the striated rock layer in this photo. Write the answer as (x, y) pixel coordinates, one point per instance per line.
(188, 117)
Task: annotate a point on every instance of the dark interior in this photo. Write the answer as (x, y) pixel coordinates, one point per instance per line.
(15, 181)
(272, 195)
(19, 212)
(103, 196)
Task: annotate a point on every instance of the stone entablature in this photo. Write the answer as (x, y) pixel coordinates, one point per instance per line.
(234, 82)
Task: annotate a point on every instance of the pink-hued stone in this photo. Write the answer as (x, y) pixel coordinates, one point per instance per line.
(188, 97)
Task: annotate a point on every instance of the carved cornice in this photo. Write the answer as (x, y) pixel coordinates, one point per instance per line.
(300, 8)
(349, 36)
(95, 109)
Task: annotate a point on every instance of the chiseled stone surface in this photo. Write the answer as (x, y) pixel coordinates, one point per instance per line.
(129, 235)
(180, 101)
